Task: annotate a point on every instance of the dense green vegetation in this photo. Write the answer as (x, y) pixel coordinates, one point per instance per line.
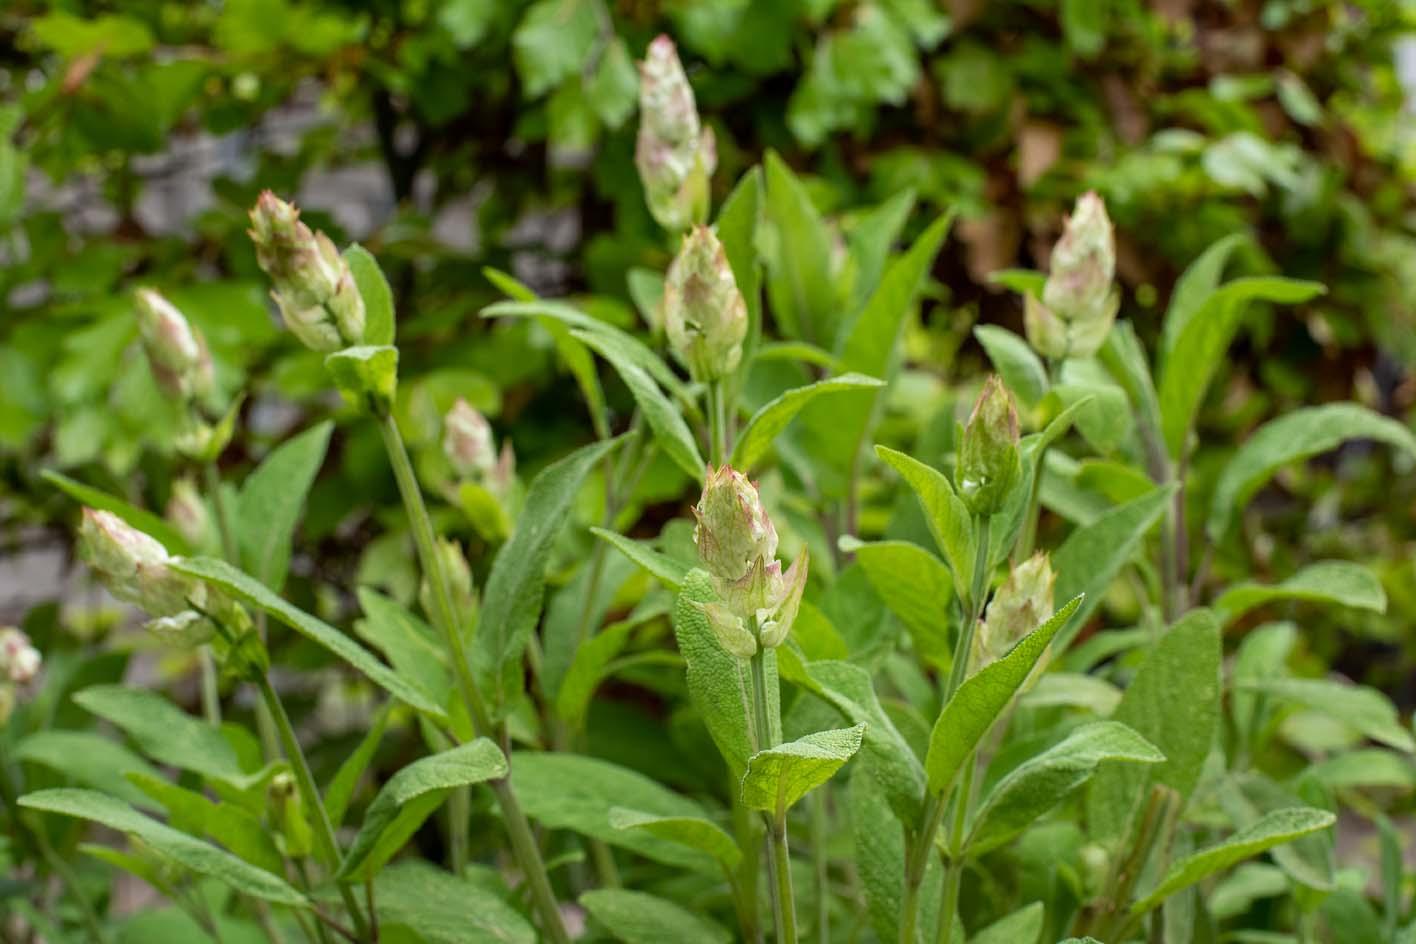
(838, 471)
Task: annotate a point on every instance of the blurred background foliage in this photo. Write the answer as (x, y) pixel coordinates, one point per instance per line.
(451, 135)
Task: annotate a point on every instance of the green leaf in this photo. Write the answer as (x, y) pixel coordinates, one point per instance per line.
(512, 598)
(737, 228)
(552, 43)
(871, 237)
(1200, 344)
(166, 733)
(670, 430)
(1173, 702)
(1339, 582)
(369, 279)
(1364, 709)
(670, 572)
(572, 791)
(144, 521)
(799, 261)
(945, 513)
(769, 422)
(916, 587)
(1022, 370)
(779, 776)
(87, 758)
(982, 698)
(693, 831)
(1365, 768)
(1022, 281)
(415, 649)
(614, 89)
(341, 789)
(254, 593)
(639, 918)
(1084, 26)
(366, 375)
(445, 909)
(434, 776)
(1044, 780)
(1290, 438)
(1091, 557)
(593, 662)
(1195, 285)
(1023, 926)
(1273, 829)
(201, 857)
(270, 502)
(231, 826)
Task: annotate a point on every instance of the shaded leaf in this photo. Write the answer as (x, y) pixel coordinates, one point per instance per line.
(270, 502)
(1339, 582)
(640, 918)
(769, 422)
(779, 776)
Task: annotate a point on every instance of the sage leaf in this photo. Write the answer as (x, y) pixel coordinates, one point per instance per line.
(769, 422)
(1339, 582)
(1023, 926)
(270, 501)
(779, 776)
(945, 513)
(669, 572)
(641, 918)
(1022, 370)
(445, 909)
(369, 279)
(696, 832)
(1361, 708)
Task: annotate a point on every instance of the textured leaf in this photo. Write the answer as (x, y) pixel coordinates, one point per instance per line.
(379, 319)
(366, 375)
(640, 918)
(799, 267)
(145, 521)
(916, 587)
(270, 503)
(1044, 780)
(945, 513)
(414, 648)
(670, 573)
(89, 759)
(511, 600)
(233, 827)
(1173, 702)
(670, 430)
(475, 762)
(779, 776)
(1275, 828)
(769, 422)
(692, 831)
(737, 230)
(201, 857)
(341, 789)
(1195, 285)
(251, 591)
(1365, 709)
(1073, 690)
(1339, 582)
(1022, 370)
(982, 698)
(1023, 926)
(1200, 344)
(444, 909)
(1289, 438)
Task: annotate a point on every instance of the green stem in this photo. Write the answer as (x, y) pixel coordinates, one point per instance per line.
(211, 692)
(71, 881)
(820, 826)
(783, 898)
(954, 867)
(310, 794)
(786, 932)
(528, 856)
(717, 423)
(1028, 539)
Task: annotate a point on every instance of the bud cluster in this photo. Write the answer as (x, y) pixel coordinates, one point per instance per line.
(314, 287)
(471, 449)
(1079, 301)
(1020, 605)
(737, 544)
(705, 316)
(674, 153)
(176, 351)
(19, 664)
(989, 465)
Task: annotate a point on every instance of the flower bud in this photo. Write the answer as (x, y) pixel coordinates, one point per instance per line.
(1021, 605)
(705, 315)
(1079, 302)
(133, 565)
(733, 532)
(989, 466)
(188, 513)
(467, 441)
(775, 622)
(674, 153)
(314, 288)
(459, 581)
(176, 351)
(19, 659)
(729, 629)
(183, 630)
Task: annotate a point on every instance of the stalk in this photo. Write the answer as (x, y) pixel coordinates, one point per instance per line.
(717, 423)
(819, 828)
(524, 847)
(211, 692)
(778, 860)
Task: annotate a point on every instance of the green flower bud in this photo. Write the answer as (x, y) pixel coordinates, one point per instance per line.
(296, 836)
(1021, 605)
(314, 288)
(1079, 302)
(989, 466)
(459, 581)
(734, 533)
(467, 441)
(133, 565)
(729, 629)
(188, 513)
(176, 351)
(183, 630)
(775, 622)
(19, 659)
(705, 315)
(674, 153)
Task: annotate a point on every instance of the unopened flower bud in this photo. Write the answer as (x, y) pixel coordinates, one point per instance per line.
(1021, 605)
(988, 465)
(674, 153)
(459, 581)
(296, 834)
(705, 315)
(19, 659)
(733, 532)
(467, 441)
(730, 630)
(314, 288)
(1079, 302)
(775, 622)
(133, 565)
(176, 351)
(188, 513)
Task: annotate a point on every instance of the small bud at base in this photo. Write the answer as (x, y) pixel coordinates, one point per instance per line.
(989, 466)
(705, 316)
(467, 441)
(19, 659)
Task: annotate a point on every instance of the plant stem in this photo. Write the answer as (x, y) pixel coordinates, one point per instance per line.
(717, 423)
(954, 866)
(211, 692)
(528, 856)
(786, 932)
(778, 861)
(820, 825)
(310, 794)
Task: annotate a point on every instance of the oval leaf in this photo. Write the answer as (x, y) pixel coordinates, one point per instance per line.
(779, 776)
(769, 422)
(1339, 582)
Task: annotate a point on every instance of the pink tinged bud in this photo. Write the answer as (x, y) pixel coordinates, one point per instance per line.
(19, 659)
(776, 622)
(133, 565)
(674, 154)
(186, 629)
(467, 441)
(188, 513)
(734, 532)
(730, 631)
(705, 316)
(175, 350)
(314, 288)
(1022, 604)
(1079, 291)
(989, 466)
